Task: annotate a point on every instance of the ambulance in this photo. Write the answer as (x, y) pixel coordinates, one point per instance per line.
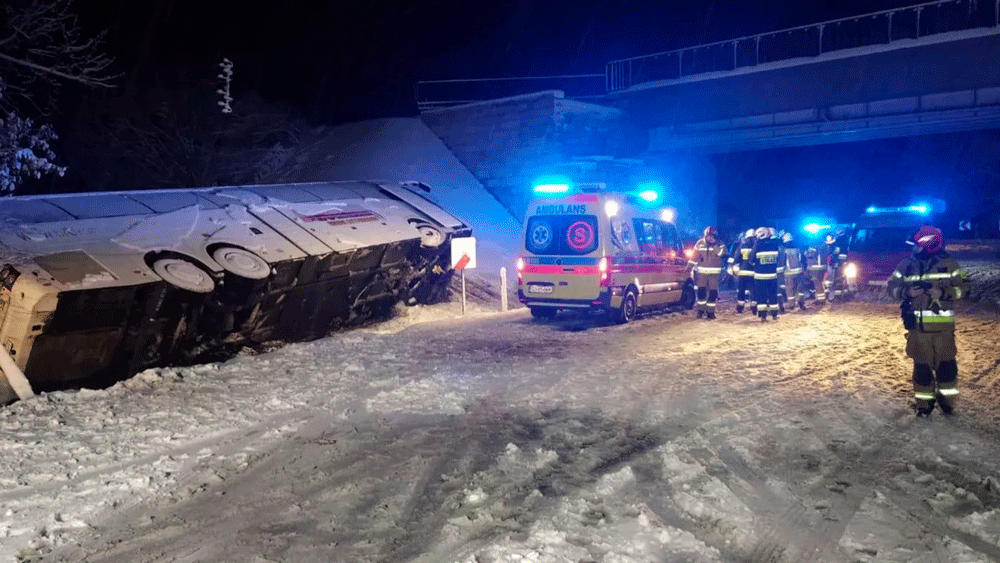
(588, 249)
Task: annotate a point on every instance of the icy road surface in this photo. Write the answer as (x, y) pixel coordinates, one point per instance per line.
(495, 439)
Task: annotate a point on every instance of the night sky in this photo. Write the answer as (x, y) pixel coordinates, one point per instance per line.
(356, 60)
(344, 61)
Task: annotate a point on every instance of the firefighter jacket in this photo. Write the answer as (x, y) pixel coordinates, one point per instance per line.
(937, 281)
(815, 258)
(741, 258)
(766, 258)
(794, 260)
(709, 258)
(833, 255)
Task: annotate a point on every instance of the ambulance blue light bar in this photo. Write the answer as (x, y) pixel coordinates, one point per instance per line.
(552, 189)
(552, 185)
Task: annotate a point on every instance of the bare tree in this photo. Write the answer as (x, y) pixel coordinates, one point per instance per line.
(41, 41)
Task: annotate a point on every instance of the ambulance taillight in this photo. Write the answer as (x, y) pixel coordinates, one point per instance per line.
(604, 267)
(519, 266)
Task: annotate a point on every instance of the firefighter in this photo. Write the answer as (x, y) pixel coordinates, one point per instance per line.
(740, 266)
(816, 269)
(782, 297)
(834, 257)
(709, 256)
(795, 280)
(928, 283)
(765, 259)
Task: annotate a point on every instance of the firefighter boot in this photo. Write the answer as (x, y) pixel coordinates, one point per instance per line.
(923, 389)
(947, 391)
(701, 313)
(711, 315)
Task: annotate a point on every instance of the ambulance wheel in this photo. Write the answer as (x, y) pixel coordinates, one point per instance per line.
(543, 312)
(627, 311)
(688, 297)
(184, 274)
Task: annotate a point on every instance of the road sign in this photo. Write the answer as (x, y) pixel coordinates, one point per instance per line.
(965, 225)
(463, 253)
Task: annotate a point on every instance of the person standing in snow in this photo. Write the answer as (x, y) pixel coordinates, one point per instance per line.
(795, 282)
(816, 268)
(739, 264)
(835, 256)
(765, 259)
(928, 283)
(709, 256)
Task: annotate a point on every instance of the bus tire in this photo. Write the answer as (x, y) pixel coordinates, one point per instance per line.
(628, 309)
(430, 236)
(184, 274)
(242, 263)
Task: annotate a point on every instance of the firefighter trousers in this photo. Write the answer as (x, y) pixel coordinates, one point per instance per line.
(833, 284)
(744, 288)
(816, 276)
(935, 368)
(708, 292)
(795, 288)
(766, 295)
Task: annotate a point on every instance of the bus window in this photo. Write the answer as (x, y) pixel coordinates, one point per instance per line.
(32, 211)
(165, 202)
(97, 206)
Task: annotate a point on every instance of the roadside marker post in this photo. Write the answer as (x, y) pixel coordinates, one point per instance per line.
(463, 257)
(503, 289)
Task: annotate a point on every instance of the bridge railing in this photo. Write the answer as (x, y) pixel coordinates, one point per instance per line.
(867, 30)
(432, 94)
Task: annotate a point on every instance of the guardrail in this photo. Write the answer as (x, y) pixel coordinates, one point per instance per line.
(876, 28)
(433, 94)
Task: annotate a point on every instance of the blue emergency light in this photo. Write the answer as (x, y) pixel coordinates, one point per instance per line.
(813, 228)
(649, 192)
(920, 208)
(552, 185)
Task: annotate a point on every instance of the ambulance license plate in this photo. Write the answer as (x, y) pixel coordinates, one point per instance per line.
(539, 289)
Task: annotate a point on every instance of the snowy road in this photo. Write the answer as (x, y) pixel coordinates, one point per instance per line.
(498, 439)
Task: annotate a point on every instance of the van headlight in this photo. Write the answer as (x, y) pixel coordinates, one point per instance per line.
(851, 270)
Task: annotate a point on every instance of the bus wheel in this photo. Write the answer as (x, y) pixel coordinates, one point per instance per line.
(242, 263)
(627, 311)
(543, 312)
(688, 297)
(184, 274)
(430, 236)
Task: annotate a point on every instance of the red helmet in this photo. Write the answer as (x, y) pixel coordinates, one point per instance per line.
(711, 232)
(929, 238)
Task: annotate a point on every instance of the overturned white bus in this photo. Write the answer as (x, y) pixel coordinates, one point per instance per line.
(96, 287)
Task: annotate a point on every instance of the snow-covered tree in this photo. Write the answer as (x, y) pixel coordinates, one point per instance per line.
(41, 47)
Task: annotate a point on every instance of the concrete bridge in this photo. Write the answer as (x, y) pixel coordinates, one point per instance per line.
(928, 68)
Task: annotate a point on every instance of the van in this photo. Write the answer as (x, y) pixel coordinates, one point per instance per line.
(611, 252)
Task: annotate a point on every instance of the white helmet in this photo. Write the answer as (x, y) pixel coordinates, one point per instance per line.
(749, 233)
(772, 232)
(786, 238)
(762, 232)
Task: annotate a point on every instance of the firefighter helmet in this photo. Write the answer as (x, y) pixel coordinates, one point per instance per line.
(748, 234)
(762, 232)
(786, 238)
(772, 232)
(929, 238)
(711, 232)
(831, 237)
